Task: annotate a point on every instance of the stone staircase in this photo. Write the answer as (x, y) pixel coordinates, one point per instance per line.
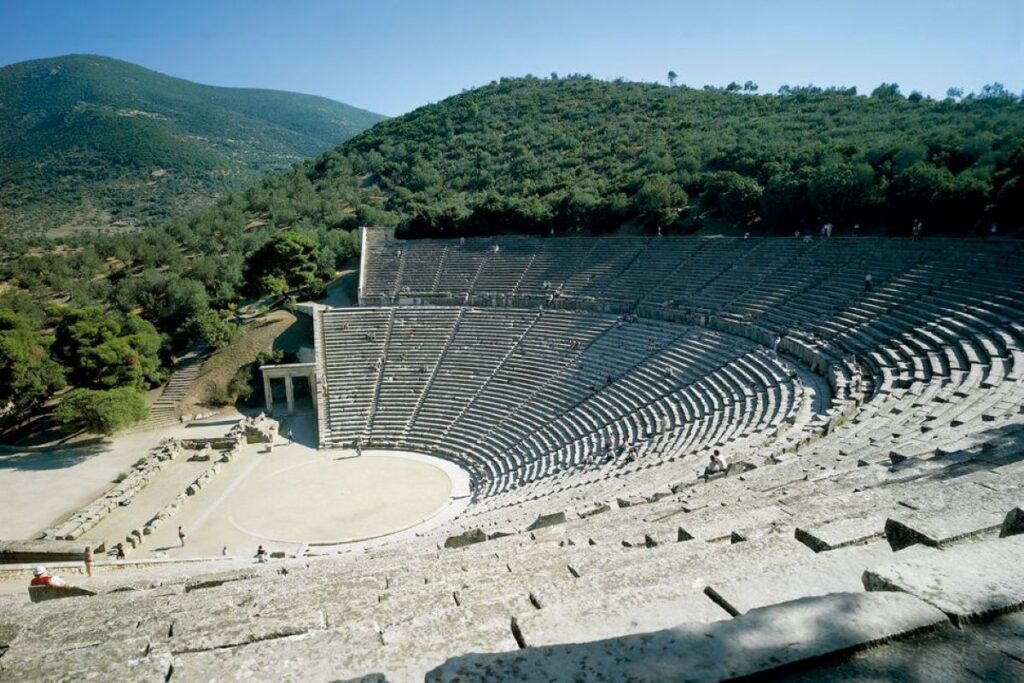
(164, 411)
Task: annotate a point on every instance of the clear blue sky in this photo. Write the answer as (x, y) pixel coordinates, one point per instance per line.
(391, 56)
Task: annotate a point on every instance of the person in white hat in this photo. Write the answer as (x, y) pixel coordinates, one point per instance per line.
(40, 577)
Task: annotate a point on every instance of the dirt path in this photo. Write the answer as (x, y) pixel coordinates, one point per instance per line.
(257, 335)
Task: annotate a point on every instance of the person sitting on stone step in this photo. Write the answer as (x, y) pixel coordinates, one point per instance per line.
(716, 464)
(41, 577)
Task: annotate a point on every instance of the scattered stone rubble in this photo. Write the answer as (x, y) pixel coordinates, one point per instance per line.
(120, 494)
(259, 429)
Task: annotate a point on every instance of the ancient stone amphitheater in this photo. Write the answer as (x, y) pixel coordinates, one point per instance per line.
(874, 492)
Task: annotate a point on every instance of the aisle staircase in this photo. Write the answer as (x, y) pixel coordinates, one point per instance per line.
(164, 411)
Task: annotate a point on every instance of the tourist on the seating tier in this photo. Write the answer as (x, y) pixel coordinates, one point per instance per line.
(120, 551)
(40, 577)
(88, 558)
(868, 282)
(776, 342)
(716, 464)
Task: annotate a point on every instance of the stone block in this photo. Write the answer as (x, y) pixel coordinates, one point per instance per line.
(468, 537)
(547, 520)
(837, 571)
(588, 622)
(739, 467)
(1013, 524)
(841, 533)
(939, 529)
(968, 582)
(759, 642)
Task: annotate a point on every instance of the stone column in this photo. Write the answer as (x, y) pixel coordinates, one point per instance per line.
(313, 389)
(268, 394)
(289, 394)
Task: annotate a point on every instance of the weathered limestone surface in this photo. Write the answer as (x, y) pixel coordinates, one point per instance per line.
(758, 642)
(992, 651)
(940, 529)
(842, 532)
(836, 571)
(611, 619)
(968, 582)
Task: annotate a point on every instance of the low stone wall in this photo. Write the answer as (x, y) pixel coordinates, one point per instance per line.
(119, 495)
(260, 429)
(17, 552)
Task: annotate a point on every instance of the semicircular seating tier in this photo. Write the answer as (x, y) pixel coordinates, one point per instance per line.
(521, 395)
(521, 357)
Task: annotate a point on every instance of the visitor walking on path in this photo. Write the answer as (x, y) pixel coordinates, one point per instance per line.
(181, 536)
(120, 551)
(88, 557)
(291, 439)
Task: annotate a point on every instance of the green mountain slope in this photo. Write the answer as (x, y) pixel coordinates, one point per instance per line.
(576, 153)
(88, 141)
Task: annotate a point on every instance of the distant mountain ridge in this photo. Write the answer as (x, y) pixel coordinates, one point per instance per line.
(88, 141)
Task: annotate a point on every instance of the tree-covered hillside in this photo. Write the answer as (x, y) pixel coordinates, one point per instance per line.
(88, 141)
(524, 155)
(531, 155)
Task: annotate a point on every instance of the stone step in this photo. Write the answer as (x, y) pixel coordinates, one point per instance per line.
(758, 642)
(970, 582)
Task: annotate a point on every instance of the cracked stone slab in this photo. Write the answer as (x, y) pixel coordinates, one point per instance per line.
(205, 629)
(969, 582)
(132, 659)
(760, 641)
